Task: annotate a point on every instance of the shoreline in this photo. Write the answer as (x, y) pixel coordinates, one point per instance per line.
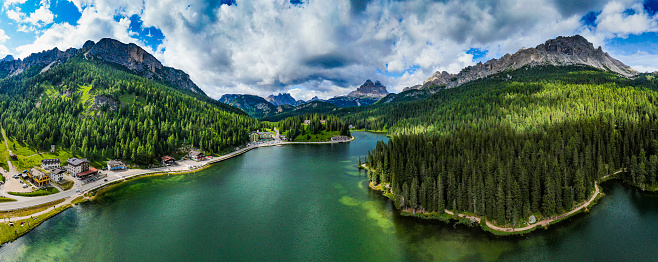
(447, 216)
(93, 192)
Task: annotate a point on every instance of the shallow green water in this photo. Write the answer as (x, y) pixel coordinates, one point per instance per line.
(309, 202)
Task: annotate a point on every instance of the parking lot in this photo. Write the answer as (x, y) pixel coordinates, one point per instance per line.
(15, 185)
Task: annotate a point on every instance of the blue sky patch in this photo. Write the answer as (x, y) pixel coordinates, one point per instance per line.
(478, 54)
(65, 11)
(409, 70)
(651, 6)
(150, 35)
(590, 19)
(645, 42)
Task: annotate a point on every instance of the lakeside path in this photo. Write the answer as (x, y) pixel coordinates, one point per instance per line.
(544, 222)
(185, 166)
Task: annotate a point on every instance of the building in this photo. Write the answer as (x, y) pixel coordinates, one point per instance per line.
(86, 174)
(115, 165)
(196, 156)
(257, 136)
(77, 166)
(307, 122)
(50, 164)
(39, 176)
(340, 138)
(168, 161)
(57, 175)
(323, 122)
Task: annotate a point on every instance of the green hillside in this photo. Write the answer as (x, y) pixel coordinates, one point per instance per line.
(508, 147)
(100, 110)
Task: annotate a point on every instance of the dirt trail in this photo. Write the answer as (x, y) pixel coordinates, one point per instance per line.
(543, 222)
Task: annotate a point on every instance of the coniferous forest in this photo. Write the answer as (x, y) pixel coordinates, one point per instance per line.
(506, 149)
(294, 125)
(149, 119)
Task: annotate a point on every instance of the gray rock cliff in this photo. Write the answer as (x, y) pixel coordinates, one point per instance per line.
(562, 51)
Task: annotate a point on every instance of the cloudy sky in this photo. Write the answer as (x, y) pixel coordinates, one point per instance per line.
(328, 47)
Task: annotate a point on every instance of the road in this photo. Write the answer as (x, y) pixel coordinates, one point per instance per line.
(113, 176)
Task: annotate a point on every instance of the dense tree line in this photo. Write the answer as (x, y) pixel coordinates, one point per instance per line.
(151, 120)
(532, 98)
(506, 149)
(504, 175)
(295, 125)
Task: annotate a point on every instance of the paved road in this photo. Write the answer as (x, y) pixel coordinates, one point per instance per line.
(112, 176)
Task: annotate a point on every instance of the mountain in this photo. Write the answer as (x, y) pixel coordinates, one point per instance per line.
(364, 95)
(561, 51)
(130, 56)
(7, 58)
(255, 106)
(370, 89)
(531, 141)
(312, 107)
(102, 104)
(281, 99)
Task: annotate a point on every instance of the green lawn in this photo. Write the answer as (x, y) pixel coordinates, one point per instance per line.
(42, 192)
(9, 233)
(4, 154)
(29, 161)
(66, 185)
(6, 199)
(321, 137)
(86, 95)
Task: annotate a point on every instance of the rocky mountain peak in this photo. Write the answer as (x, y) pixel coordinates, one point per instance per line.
(561, 51)
(130, 56)
(7, 58)
(370, 89)
(281, 99)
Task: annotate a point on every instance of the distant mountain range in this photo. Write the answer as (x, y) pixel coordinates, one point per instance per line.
(283, 99)
(561, 51)
(130, 56)
(260, 108)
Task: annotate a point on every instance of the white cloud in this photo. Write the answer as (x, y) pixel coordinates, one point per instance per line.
(640, 61)
(613, 20)
(327, 48)
(3, 36)
(15, 15)
(9, 3)
(91, 26)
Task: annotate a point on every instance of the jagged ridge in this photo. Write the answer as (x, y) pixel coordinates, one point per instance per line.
(573, 50)
(130, 56)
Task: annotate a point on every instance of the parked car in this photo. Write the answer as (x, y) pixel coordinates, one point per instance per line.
(105, 180)
(25, 186)
(22, 182)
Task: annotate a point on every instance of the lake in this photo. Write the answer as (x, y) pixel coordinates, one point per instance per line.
(309, 202)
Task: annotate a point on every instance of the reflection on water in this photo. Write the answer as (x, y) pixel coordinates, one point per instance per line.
(309, 202)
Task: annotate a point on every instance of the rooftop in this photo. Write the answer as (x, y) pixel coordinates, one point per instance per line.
(77, 161)
(90, 171)
(115, 163)
(196, 153)
(50, 161)
(58, 171)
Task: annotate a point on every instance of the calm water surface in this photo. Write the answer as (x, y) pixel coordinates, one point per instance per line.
(309, 202)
